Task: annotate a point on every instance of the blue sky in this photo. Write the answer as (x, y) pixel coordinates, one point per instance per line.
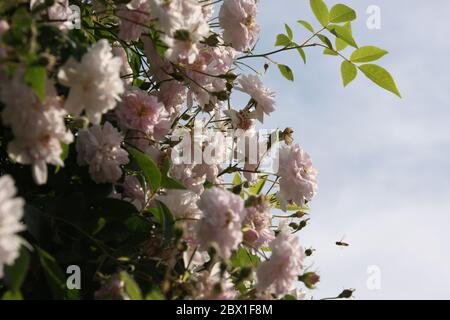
(384, 171)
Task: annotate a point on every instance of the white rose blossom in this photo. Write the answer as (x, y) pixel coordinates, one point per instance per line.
(11, 212)
(264, 98)
(298, 177)
(38, 127)
(279, 274)
(100, 148)
(95, 83)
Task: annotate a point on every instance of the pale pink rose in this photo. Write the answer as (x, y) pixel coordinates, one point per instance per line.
(298, 177)
(59, 14)
(4, 27)
(203, 74)
(240, 119)
(264, 98)
(279, 274)
(191, 180)
(95, 83)
(11, 212)
(189, 27)
(198, 157)
(38, 127)
(112, 289)
(171, 92)
(125, 70)
(100, 148)
(214, 286)
(133, 191)
(134, 19)
(237, 18)
(144, 113)
(257, 222)
(223, 213)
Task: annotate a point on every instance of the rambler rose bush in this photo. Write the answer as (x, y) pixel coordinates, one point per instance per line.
(123, 150)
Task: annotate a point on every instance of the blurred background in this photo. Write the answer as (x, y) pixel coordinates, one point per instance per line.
(383, 162)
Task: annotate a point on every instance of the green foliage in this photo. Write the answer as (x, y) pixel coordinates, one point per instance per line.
(348, 72)
(286, 72)
(380, 76)
(15, 274)
(367, 54)
(342, 13)
(149, 169)
(321, 12)
(306, 24)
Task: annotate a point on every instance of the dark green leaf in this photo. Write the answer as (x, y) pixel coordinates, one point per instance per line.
(286, 72)
(325, 40)
(56, 278)
(149, 169)
(16, 274)
(166, 219)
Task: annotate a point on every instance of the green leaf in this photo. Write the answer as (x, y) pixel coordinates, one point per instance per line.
(56, 278)
(12, 295)
(166, 219)
(302, 54)
(149, 169)
(341, 44)
(288, 31)
(237, 180)
(16, 274)
(329, 52)
(306, 24)
(348, 72)
(64, 151)
(258, 186)
(380, 76)
(138, 224)
(131, 287)
(155, 294)
(367, 54)
(342, 13)
(325, 40)
(343, 33)
(282, 40)
(243, 258)
(35, 77)
(286, 72)
(321, 12)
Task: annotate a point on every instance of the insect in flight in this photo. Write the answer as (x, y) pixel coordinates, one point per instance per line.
(341, 243)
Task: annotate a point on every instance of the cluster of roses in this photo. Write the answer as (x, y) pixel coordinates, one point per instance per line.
(195, 70)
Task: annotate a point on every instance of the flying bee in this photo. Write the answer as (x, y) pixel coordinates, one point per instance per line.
(341, 243)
